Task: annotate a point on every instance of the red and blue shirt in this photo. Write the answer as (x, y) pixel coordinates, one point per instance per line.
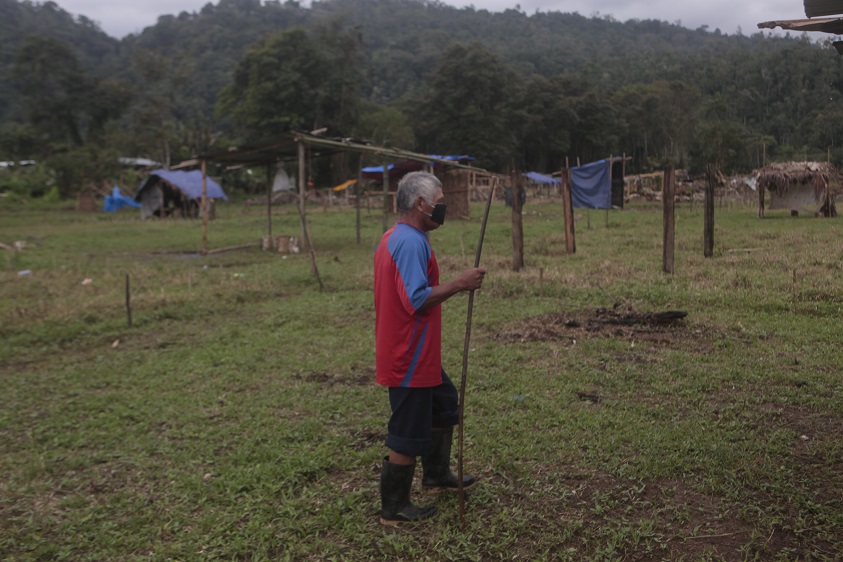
(408, 343)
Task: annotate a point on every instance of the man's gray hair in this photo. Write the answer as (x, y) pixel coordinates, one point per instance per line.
(414, 185)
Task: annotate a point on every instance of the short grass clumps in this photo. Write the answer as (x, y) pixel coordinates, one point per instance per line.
(238, 419)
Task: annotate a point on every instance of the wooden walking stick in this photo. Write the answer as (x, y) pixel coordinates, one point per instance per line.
(465, 353)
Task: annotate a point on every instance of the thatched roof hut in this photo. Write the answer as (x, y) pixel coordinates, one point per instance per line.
(799, 186)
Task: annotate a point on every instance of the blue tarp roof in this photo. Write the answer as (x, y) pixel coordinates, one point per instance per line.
(190, 183)
(592, 186)
(401, 168)
(541, 178)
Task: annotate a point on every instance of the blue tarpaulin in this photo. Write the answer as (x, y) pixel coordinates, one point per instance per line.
(190, 183)
(592, 185)
(541, 178)
(117, 201)
(407, 166)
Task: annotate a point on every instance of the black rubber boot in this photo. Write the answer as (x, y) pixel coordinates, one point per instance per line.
(396, 481)
(437, 465)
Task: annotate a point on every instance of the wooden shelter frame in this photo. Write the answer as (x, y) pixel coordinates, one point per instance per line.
(292, 147)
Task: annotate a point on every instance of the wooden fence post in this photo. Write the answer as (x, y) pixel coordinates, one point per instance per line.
(517, 222)
(568, 211)
(128, 302)
(668, 201)
(358, 192)
(708, 234)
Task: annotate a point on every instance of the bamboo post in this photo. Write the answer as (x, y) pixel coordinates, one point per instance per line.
(385, 197)
(128, 301)
(568, 210)
(708, 232)
(461, 436)
(517, 223)
(204, 207)
(358, 193)
(302, 175)
(623, 174)
(269, 202)
(668, 201)
(306, 242)
(611, 165)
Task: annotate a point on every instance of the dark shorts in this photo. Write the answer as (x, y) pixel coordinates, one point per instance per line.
(415, 411)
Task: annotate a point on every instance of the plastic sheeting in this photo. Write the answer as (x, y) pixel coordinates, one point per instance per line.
(402, 168)
(117, 201)
(541, 178)
(592, 185)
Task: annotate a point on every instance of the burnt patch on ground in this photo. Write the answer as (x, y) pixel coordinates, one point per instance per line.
(661, 328)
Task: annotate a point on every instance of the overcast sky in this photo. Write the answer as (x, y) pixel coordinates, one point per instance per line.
(119, 18)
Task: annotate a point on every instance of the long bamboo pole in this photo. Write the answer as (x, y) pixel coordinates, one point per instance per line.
(465, 355)
(204, 207)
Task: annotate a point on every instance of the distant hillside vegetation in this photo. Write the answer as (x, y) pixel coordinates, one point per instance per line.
(555, 84)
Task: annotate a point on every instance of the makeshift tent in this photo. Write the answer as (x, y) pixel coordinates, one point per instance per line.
(282, 181)
(542, 179)
(540, 183)
(807, 187)
(117, 201)
(175, 192)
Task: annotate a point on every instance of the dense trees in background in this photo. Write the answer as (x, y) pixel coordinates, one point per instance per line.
(511, 89)
(292, 81)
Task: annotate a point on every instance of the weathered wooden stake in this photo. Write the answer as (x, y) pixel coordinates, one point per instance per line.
(668, 202)
(795, 293)
(128, 301)
(568, 210)
(517, 223)
(708, 234)
(204, 207)
(302, 175)
(269, 186)
(358, 191)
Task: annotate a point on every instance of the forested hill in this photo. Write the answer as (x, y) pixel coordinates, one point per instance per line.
(543, 86)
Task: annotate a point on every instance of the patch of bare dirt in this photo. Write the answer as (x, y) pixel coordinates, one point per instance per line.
(645, 521)
(356, 378)
(661, 328)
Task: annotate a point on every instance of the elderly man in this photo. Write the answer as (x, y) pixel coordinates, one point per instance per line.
(408, 342)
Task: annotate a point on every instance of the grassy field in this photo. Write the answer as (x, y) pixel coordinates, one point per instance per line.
(237, 419)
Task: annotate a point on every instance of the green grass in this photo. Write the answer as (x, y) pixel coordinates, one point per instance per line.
(238, 419)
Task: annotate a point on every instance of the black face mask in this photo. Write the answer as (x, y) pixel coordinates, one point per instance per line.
(438, 214)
